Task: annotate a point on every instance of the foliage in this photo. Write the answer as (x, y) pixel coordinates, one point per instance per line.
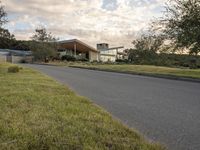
(163, 59)
(148, 42)
(121, 60)
(3, 14)
(180, 27)
(43, 45)
(6, 38)
(42, 51)
(4, 33)
(68, 58)
(41, 35)
(22, 45)
(13, 69)
(182, 24)
(141, 56)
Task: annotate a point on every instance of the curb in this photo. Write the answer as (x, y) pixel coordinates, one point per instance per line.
(44, 64)
(144, 74)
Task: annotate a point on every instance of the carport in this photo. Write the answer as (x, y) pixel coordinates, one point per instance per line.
(78, 48)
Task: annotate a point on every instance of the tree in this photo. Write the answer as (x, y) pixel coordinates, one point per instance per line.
(3, 14)
(4, 33)
(6, 38)
(182, 24)
(148, 43)
(42, 51)
(43, 44)
(41, 35)
(146, 48)
(22, 45)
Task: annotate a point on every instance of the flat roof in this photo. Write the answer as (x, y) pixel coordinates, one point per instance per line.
(16, 52)
(80, 46)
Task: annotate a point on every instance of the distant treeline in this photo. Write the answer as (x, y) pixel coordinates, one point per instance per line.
(15, 45)
(163, 59)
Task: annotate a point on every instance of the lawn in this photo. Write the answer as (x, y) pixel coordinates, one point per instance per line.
(147, 69)
(36, 112)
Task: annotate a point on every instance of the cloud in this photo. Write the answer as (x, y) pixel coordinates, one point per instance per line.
(110, 5)
(116, 22)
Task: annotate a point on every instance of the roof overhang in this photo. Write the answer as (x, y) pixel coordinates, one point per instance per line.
(16, 52)
(76, 44)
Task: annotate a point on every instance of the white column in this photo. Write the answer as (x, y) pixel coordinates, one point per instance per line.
(75, 49)
(117, 53)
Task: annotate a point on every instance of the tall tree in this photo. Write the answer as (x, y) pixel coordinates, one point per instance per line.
(6, 38)
(3, 14)
(41, 35)
(182, 24)
(43, 45)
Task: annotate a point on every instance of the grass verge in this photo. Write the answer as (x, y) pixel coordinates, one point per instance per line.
(36, 112)
(147, 69)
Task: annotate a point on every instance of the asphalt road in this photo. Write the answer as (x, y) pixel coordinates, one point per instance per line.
(163, 110)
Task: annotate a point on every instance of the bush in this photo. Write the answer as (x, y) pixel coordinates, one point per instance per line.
(68, 58)
(142, 56)
(193, 64)
(163, 59)
(42, 51)
(122, 61)
(13, 69)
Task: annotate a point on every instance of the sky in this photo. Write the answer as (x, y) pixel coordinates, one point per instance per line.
(117, 22)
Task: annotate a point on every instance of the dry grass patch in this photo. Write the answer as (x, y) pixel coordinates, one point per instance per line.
(36, 112)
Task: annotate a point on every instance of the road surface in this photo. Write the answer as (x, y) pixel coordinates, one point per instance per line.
(167, 111)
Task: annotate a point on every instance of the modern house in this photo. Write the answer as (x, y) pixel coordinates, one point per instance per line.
(78, 49)
(110, 54)
(73, 47)
(15, 56)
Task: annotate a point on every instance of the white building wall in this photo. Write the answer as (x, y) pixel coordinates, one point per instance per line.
(106, 58)
(108, 55)
(93, 56)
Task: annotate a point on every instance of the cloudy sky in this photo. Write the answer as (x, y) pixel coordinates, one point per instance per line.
(116, 22)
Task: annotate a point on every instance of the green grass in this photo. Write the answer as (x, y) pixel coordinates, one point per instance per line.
(147, 69)
(38, 113)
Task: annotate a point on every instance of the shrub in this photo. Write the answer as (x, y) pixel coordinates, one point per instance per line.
(142, 56)
(121, 60)
(13, 69)
(68, 58)
(163, 59)
(193, 64)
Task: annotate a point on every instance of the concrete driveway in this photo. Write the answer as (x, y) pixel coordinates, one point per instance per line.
(163, 110)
